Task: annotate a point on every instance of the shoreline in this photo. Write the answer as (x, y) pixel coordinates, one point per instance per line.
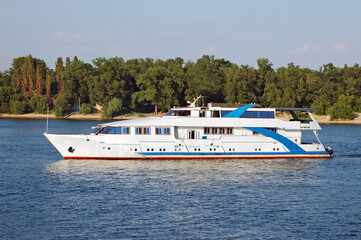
(322, 119)
(78, 116)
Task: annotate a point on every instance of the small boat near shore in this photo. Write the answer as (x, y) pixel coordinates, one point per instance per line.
(199, 133)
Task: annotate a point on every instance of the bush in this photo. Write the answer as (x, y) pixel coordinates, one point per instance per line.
(38, 104)
(4, 108)
(62, 106)
(114, 107)
(17, 107)
(321, 105)
(340, 110)
(87, 108)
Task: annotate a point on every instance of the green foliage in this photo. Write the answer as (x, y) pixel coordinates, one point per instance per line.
(17, 106)
(6, 93)
(87, 108)
(341, 109)
(162, 85)
(141, 115)
(321, 105)
(38, 104)
(114, 107)
(148, 83)
(62, 105)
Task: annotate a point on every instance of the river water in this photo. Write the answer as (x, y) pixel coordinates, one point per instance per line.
(45, 197)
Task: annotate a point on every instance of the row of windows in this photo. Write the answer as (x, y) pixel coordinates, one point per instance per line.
(162, 131)
(223, 113)
(178, 113)
(216, 130)
(258, 114)
(113, 130)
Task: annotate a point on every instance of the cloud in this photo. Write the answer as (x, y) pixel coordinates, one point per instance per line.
(307, 49)
(208, 51)
(340, 47)
(76, 37)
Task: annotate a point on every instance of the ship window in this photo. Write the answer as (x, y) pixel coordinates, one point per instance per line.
(95, 130)
(224, 113)
(215, 113)
(178, 113)
(271, 115)
(214, 130)
(229, 131)
(158, 131)
(264, 114)
(142, 130)
(112, 131)
(166, 131)
(249, 114)
(207, 130)
(105, 130)
(257, 114)
(223, 131)
(126, 130)
(202, 113)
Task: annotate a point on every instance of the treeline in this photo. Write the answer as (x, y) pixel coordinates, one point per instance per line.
(120, 86)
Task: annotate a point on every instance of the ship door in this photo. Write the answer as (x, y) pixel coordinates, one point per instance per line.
(191, 134)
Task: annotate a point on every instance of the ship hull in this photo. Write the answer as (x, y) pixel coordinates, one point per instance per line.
(88, 147)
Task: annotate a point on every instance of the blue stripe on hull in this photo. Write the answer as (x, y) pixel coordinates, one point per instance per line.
(233, 153)
(293, 147)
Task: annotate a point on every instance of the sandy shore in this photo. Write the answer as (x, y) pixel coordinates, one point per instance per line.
(97, 116)
(78, 116)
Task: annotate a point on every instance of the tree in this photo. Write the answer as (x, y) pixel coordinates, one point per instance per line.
(162, 85)
(114, 107)
(62, 106)
(38, 104)
(321, 104)
(206, 77)
(39, 80)
(59, 69)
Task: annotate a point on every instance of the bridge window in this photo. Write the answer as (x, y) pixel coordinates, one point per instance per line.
(178, 113)
(224, 113)
(258, 114)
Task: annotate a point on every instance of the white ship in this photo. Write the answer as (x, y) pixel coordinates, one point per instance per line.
(198, 133)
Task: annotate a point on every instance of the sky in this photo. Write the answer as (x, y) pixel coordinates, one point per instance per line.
(308, 33)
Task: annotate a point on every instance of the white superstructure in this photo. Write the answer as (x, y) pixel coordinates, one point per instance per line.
(197, 133)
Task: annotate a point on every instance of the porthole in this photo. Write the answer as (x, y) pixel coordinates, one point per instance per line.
(163, 149)
(147, 149)
(234, 149)
(108, 148)
(135, 150)
(152, 149)
(199, 149)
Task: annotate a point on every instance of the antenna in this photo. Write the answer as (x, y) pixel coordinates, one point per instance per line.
(47, 120)
(193, 104)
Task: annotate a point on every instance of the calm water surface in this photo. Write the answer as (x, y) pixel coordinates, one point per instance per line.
(45, 197)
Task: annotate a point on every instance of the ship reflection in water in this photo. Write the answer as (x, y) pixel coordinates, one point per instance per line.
(199, 170)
